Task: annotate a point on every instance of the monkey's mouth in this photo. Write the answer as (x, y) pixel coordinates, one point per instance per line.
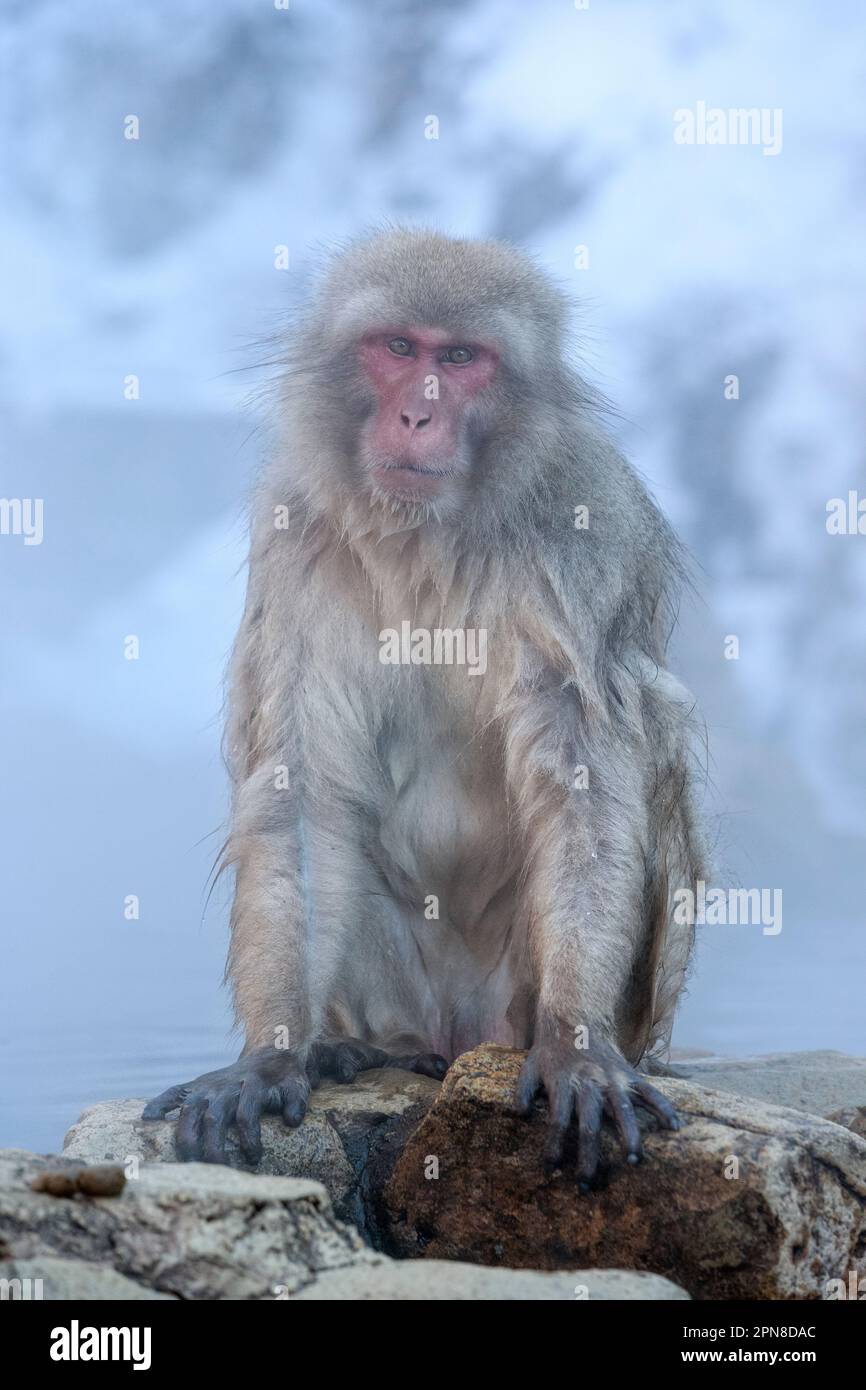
(409, 477)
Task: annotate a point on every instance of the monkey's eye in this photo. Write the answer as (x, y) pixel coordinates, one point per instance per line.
(458, 356)
(401, 347)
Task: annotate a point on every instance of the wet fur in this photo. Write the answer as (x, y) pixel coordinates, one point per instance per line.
(411, 781)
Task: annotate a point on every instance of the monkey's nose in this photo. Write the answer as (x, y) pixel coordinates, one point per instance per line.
(413, 421)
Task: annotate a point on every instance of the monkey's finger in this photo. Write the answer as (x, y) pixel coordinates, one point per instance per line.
(320, 1061)
(430, 1064)
(366, 1056)
(248, 1120)
(528, 1084)
(215, 1126)
(589, 1109)
(561, 1101)
(158, 1108)
(344, 1058)
(293, 1102)
(187, 1139)
(425, 1063)
(346, 1066)
(660, 1106)
(625, 1119)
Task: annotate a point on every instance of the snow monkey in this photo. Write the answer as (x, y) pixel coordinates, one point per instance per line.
(462, 774)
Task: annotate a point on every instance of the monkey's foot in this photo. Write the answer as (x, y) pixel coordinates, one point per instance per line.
(267, 1081)
(583, 1085)
(343, 1058)
(264, 1081)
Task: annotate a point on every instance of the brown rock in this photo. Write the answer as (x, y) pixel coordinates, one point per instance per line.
(792, 1218)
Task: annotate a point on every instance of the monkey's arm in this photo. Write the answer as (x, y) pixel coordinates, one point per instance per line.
(586, 784)
(278, 814)
(267, 964)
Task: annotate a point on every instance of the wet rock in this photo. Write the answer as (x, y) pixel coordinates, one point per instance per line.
(747, 1200)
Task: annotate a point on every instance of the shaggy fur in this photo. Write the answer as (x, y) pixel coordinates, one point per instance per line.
(555, 904)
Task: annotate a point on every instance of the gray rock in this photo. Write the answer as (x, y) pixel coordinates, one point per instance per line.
(817, 1082)
(196, 1230)
(853, 1118)
(200, 1231)
(52, 1278)
(348, 1134)
(425, 1281)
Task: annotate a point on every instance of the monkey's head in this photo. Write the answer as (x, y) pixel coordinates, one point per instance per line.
(430, 400)
(432, 359)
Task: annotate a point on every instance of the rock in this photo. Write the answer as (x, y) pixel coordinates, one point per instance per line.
(348, 1140)
(423, 1281)
(72, 1279)
(817, 1082)
(196, 1230)
(778, 1230)
(200, 1231)
(793, 1218)
(853, 1119)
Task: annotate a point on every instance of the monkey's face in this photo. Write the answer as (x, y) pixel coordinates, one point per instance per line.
(430, 399)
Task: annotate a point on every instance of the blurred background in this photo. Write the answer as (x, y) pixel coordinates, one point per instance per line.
(262, 128)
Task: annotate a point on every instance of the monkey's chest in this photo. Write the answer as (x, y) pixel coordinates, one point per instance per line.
(444, 832)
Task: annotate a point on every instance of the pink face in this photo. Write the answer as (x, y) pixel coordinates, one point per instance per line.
(426, 385)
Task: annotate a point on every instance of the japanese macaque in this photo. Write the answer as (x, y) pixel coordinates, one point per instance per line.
(433, 851)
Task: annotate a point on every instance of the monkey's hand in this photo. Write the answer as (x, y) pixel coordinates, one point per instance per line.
(271, 1081)
(265, 1081)
(584, 1084)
